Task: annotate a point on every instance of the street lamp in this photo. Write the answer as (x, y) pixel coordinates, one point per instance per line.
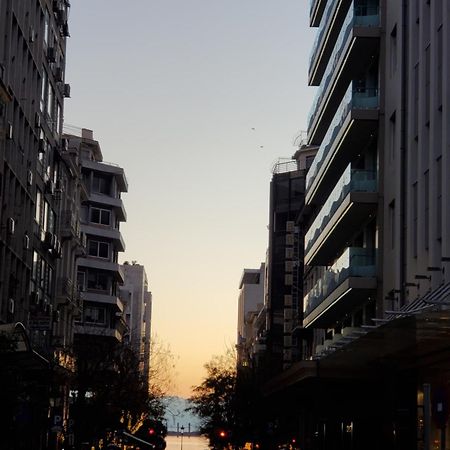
(182, 431)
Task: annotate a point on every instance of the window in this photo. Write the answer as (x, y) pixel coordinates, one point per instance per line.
(98, 249)
(50, 100)
(101, 185)
(101, 216)
(81, 280)
(392, 223)
(95, 315)
(97, 281)
(38, 212)
(44, 90)
(309, 161)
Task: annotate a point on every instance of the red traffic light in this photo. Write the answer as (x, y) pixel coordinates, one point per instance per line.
(151, 431)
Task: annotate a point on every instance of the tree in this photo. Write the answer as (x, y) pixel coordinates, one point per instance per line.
(214, 400)
(162, 367)
(111, 392)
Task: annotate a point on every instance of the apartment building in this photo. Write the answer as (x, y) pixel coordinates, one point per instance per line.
(32, 92)
(284, 272)
(138, 313)
(250, 303)
(99, 274)
(376, 216)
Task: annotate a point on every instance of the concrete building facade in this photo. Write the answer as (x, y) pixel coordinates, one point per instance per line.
(250, 303)
(374, 371)
(32, 166)
(99, 275)
(138, 313)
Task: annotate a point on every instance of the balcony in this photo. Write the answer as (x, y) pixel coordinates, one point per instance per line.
(70, 225)
(108, 168)
(352, 127)
(327, 34)
(102, 264)
(104, 297)
(113, 202)
(347, 283)
(106, 232)
(352, 201)
(95, 330)
(357, 45)
(316, 9)
(67, 292)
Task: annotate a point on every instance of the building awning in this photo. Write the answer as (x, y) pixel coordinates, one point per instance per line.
(418, 331)
(16, 350)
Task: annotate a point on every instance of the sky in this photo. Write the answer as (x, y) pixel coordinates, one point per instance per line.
(196, 100)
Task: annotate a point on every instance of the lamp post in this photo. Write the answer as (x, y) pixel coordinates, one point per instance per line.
(182, 431)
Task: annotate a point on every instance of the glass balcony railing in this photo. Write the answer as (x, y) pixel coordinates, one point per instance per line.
(352, 180)
(312, 5)
(329, 9)
(364, 16)
(361, 98)
(354, 262)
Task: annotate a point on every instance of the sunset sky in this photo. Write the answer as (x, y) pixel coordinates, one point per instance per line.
(196, 99)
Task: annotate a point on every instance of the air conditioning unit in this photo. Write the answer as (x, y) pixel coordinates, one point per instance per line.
(30, 178)
(10, 225)
(290, 226)
(11, 306)
(26, 242)
(51, 54)
(66, 90)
